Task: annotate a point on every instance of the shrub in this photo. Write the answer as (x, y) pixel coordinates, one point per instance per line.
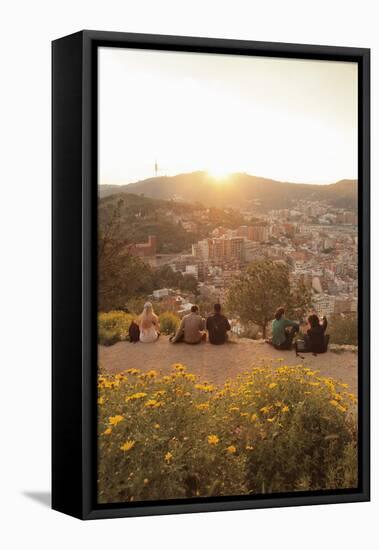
(107, 337)
(168, 322)
(113, 326)
(343, 329)
(269, 430)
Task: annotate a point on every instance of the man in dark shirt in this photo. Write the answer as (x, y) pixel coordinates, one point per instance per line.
(217, 326)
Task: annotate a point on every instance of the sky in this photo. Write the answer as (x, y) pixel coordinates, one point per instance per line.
(287, 119)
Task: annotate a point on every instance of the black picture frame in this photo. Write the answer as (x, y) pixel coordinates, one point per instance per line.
(74, 332)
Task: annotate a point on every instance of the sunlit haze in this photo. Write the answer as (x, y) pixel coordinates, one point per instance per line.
(291, 120)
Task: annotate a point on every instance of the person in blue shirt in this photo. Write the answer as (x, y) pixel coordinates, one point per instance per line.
(283, 330)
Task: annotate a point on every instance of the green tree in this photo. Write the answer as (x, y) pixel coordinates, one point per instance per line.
(120, 275)
(188, 283)
(257, 292)
(300, 301)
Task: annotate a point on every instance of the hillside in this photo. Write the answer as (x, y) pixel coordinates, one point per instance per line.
(237, 190)
(142, 216)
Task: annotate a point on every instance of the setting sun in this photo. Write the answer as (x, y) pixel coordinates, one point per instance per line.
(219, 174)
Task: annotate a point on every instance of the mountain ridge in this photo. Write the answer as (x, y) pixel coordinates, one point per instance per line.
(238, 190)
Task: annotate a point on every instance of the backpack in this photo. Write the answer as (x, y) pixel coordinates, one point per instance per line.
(301, 346)
(134, 332)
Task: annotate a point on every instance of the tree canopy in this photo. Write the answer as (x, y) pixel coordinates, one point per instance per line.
(257, 292)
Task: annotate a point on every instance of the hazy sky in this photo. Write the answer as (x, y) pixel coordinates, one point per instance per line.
(292, 120)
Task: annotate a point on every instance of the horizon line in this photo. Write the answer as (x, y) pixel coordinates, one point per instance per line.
(224, 178)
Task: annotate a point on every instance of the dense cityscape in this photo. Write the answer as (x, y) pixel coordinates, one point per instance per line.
(316, 240)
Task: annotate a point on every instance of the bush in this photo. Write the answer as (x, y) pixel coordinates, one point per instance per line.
(113, 326)
(343, 329)
(270, 430)
(107, 337)
(168, 322)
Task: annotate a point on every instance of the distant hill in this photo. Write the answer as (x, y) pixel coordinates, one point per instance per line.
(237, 190)
(142, 216)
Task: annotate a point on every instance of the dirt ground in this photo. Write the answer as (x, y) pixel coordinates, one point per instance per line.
(215, 364)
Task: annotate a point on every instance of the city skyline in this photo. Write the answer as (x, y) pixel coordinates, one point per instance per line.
(285, 119)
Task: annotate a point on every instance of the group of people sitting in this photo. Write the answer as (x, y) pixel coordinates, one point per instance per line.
(192, 329)
(284, 331)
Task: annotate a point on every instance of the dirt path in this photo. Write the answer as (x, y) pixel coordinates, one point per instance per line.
(217, 363)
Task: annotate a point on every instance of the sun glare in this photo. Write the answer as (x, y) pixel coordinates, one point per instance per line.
(220, 175)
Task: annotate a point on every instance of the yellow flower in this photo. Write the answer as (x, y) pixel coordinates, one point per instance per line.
(157, 426)
(128, 445)
(337, 397)
(202, 406)
(231, 449)
(152, 374)
(337, 405)
(153, 403)
(138, 395)
(114, 420)
(108, 431)
(254, 417)
(249, 448)
(168, 457)
(272, 385)
(179, 367)
(204, 387)
(133, 371)
(213, 439)
(285, 409)
(271, 419)
(234, 409)
(265, 410)
(100, 401)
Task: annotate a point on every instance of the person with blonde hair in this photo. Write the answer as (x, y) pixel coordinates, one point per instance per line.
(148, 324)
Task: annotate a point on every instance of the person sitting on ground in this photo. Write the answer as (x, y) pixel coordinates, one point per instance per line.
(148, 324)
(283, 330)
(191, 329)
(315, 340)
(218, 326)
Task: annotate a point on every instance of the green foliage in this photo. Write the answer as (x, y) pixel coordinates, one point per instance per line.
(343, 329)
(299, 301)
(310, 451)
(165, 277)
(113, 326)
(108, 337)
(257, 292)
(270, 430)
(123, 277)
(140, 217)
(168, 322)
